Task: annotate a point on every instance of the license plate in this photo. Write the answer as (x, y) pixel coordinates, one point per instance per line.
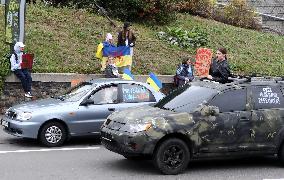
(4, 123)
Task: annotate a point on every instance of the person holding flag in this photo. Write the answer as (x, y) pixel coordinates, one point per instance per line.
(126, 37)
(106, 44)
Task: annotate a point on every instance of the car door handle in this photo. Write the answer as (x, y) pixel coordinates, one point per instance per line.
(111, 109)
(244, 119)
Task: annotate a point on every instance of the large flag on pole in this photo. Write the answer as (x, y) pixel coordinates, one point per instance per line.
(15, 21)
(154, 81)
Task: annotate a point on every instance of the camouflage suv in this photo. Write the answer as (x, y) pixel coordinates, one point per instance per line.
(202, 119)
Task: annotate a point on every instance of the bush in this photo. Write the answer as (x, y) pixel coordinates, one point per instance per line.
(157, 11)
(4, 69)
(202, 8)
(184, 39)
(237, 13)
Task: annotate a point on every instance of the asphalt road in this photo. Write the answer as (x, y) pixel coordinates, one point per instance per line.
(86, 159)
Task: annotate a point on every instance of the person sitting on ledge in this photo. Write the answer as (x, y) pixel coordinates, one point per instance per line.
(22, 73)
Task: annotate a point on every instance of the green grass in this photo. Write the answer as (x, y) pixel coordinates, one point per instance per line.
(65, 40)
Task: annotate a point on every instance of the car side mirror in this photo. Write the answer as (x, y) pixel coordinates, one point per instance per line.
(210, 111)
(87, 102)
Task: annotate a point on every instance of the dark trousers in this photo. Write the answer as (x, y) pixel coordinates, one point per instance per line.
(25, 78)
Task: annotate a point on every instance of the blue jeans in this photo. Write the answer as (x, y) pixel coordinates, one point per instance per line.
(25, 78)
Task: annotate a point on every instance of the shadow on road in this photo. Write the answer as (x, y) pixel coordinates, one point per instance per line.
(26, 143)
(146, 166)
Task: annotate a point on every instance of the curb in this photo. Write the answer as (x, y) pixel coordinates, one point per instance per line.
(75, 78)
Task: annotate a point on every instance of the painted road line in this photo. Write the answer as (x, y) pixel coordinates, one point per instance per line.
(48, 150)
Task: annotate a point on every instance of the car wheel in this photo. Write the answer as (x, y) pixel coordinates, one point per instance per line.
(172, 156)
(52, 134)
(281, 153)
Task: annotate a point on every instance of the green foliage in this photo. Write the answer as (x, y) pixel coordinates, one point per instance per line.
(237, 13)
(183, 38)
(196, 7)
(155, 11)
(4, 68)
(64, 40)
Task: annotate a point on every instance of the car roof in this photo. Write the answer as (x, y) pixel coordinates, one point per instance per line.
(236, 84)
(102, 81)
(110, 80)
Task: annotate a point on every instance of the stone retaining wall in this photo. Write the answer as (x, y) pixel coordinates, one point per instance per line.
(46, 85)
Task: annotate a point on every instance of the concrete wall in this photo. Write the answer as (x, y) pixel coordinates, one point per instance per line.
(49, 84)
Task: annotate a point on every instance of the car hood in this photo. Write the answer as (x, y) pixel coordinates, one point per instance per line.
(39, 104)
(145, 114)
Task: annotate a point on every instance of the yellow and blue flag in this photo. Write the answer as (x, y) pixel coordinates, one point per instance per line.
(99, 53)
(127, 74)
(121, 54)
(154, 81)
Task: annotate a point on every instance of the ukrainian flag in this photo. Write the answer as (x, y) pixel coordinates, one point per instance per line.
(154, 81)
(121, 54)
(127, 74)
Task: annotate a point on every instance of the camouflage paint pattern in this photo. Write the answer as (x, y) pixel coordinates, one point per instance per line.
(206, 129)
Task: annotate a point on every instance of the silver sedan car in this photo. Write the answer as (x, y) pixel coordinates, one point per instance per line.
(79, 112)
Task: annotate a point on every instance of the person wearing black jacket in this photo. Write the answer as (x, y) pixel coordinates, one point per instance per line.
(126, 37)
(219, 69)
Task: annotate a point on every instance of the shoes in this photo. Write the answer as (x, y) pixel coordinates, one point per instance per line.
(28, 95)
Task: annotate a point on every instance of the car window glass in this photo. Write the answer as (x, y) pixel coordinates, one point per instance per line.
(187, 98)
(78, 92)
(229, 101)
(106, 95)
(265, 97)
(133, 93)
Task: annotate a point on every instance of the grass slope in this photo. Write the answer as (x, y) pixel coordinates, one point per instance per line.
(65, 40)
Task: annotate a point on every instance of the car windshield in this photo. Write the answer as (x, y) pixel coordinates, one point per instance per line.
(186, 98)
(76, 93)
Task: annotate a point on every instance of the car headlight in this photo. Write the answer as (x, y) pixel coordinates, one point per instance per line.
(24, 116)
(134, 128)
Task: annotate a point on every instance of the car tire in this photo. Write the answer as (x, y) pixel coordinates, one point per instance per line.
(172, 156)
(53, 134)
(281, 153)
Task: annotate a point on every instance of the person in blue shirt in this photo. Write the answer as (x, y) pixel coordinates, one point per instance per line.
(185, 71)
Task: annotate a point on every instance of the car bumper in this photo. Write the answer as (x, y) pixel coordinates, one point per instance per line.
(125, 143)
(27, 129)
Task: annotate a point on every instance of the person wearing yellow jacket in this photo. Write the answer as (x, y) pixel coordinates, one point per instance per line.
(99, 54)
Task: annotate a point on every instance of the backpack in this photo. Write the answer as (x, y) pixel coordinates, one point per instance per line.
(9, 55)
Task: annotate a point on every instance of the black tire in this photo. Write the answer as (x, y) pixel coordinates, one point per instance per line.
(53, 134)
(172, 156)
(281, 153)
